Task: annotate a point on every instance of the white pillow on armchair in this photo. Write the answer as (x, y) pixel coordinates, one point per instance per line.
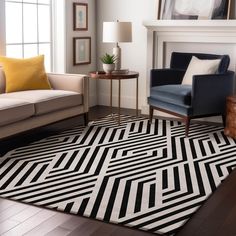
(200, 67)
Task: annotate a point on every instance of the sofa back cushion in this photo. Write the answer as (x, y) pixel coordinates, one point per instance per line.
(2, 81)
(181, 60)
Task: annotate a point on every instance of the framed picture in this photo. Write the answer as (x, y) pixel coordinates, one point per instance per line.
(80, 16)
(221, 9)
(82, 50)
(192, 9)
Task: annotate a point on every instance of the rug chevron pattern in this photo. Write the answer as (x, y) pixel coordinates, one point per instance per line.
(149, 177)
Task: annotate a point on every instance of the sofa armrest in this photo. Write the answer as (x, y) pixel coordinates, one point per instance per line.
(71, 82)
(209, 92)
(166, 76)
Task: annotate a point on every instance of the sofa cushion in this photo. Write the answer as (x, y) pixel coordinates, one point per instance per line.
(13, 110)
(46, 101)
(174, 94)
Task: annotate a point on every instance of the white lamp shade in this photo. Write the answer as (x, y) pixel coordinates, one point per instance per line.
(114, 32)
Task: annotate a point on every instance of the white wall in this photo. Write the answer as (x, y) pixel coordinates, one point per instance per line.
(2, 27)
(70, 33)
(59, 36)
(133, 54)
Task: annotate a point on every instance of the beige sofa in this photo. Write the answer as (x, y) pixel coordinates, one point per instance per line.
(26, 110)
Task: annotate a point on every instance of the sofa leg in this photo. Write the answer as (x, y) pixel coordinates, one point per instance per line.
(86, 119)
(224, 119)
(150, 114)
(187, 124)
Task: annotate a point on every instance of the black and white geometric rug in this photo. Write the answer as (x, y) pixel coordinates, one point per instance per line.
(150, 178)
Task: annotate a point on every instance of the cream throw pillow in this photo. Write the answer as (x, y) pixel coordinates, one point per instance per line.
(200, 67)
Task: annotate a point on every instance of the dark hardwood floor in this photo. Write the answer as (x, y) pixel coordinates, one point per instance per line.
(215, 218)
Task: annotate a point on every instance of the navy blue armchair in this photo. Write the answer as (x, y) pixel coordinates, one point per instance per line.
(205, 97)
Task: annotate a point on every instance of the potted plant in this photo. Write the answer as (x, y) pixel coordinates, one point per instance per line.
(108, 62)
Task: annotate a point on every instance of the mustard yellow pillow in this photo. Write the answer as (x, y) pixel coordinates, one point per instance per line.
(24, 74)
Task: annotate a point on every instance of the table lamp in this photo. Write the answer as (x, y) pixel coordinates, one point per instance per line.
(117, 32)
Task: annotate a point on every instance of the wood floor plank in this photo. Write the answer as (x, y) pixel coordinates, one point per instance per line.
(5, 204)
(7, 225)
(86, 229)
(73, 222)
(107, 229)
(228, 228)
(49, 225)
(26, 213)
(12, 211)
(31, 223)
(129, 232)
(58, 231)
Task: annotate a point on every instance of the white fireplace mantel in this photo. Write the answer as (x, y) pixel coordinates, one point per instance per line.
(161, 32)
(194, 31)
(190, 25)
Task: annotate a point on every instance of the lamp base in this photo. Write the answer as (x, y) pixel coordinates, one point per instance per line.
(117, 53)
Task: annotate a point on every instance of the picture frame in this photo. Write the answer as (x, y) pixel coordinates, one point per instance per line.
(222, 11)
(189, 10)
(158, 7)
(81, 50)
(80, 16)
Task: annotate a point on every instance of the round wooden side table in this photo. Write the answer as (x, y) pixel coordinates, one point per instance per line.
(119, 76)
(230, 128)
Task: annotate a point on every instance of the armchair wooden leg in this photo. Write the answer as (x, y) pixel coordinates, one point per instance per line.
(86, 119)
(150, 114)
(224, 119)
(187, 124)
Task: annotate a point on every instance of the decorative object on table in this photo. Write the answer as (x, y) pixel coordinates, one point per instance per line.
(80, 16)
(121, 71)
(82, 50)
(192, 9)
(230, 128)
(108, 62)
(146, 177)
(117, 32)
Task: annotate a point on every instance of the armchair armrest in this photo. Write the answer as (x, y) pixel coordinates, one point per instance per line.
(209, 92)
(166, 76)
(71, 82)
